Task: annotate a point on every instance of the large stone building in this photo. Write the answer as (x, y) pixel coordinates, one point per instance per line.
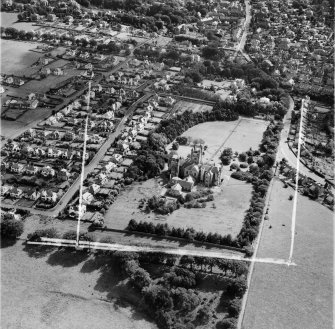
(208, 174)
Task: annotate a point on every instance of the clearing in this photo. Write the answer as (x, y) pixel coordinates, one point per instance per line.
(65, 290)
(240, 135)
(231, 200)
(298, 296)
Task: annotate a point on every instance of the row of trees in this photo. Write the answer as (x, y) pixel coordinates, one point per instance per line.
(189, 234)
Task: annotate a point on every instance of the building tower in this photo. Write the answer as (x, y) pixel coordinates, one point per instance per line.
(196, 154)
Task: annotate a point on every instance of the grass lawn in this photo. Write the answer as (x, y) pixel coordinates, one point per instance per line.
(239, 135)
(231, 201)
(299, 296)
(66, 290)
(182, 106)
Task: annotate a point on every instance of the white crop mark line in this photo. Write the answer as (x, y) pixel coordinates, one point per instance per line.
(295, 200)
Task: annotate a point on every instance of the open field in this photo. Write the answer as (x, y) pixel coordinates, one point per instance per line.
(239, 135)
(10, 20)
(299, 296)
(183, 106)
(56, 289)
(231, 201)
(16, 55)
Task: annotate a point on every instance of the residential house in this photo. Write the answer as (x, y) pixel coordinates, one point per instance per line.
(48, 171)
(51, 17)
(54, 135)
(5, 189)
(102, 178)
(68, 136)
(49, 196)
(17, 168)
(39, 152)
(63, 174)
(109, 166)
(16, 192)
(31, 169)
(33, 194)
(58, 71)
(74, 211)
(94, 189)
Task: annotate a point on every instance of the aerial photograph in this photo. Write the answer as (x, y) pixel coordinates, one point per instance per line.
(167, 164)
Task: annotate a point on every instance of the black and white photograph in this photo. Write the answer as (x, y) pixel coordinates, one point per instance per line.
(167, 164)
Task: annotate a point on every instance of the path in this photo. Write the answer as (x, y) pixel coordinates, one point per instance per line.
(224, 142)
(240, 47)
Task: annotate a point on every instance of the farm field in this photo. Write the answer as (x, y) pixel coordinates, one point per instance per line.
(298, 296)
(183, 106)
(64, 291)
(239, 135)
(231, 201)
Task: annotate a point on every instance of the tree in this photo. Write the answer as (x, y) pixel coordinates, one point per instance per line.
(11, 228)
(140, 279)
(237, 287)
(11, 32)
(157, 298)
(175, 146)
(234, 307)
(225, 160)
(203, 314)
(242, 157)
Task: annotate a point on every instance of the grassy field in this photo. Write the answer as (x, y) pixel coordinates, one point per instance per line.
(231, 201)
(239, 135)
(299, 296)
(16, 56)
(182, 106)
(52, 289)
(10, 20)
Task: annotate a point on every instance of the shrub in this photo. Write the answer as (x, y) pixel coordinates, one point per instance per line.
(70, 235)
(226, 324)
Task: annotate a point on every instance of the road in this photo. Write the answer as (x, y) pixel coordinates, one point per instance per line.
(285, 152)
(240, 47)
(94, 162)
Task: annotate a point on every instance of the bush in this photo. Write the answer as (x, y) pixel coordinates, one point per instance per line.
(46, 233)
(234, 166)
(70, 235)
(11, 228)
